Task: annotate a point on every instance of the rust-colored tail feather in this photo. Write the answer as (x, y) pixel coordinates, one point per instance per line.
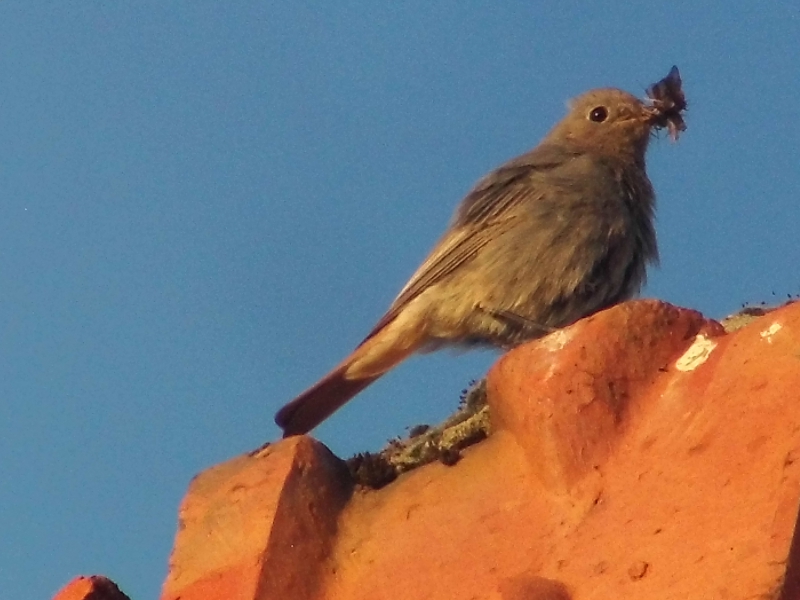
(319, 402)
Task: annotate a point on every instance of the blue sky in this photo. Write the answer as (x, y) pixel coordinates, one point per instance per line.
(205, 206)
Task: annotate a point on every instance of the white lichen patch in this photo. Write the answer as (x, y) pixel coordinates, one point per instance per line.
(697, 354)
(771, 331)
(557, 340)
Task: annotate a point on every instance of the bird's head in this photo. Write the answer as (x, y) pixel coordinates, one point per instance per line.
(616, 124)
(608, 122)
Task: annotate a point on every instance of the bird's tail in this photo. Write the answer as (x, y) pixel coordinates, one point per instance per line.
(320, 401)
(389, 344)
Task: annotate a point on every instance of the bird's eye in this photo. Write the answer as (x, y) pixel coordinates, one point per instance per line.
(598, 114)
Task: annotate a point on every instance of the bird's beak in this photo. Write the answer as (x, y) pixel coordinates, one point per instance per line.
(652, 114)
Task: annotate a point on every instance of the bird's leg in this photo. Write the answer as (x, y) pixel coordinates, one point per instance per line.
(521, 328)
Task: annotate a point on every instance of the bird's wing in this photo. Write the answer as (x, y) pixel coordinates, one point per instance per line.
(482, 216)
(498, 190)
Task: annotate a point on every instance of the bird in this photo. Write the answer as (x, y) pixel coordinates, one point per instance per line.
(550, 237)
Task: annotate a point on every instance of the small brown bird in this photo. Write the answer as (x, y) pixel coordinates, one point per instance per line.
(550, 237)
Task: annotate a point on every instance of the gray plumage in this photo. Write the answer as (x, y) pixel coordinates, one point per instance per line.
(552, 236)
